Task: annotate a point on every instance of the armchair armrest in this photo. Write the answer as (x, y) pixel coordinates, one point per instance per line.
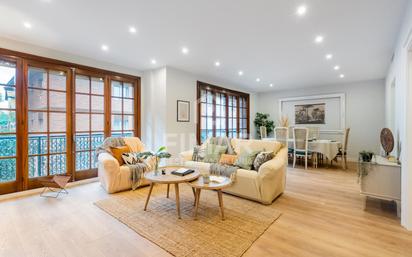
(186, 155)
(108, 162)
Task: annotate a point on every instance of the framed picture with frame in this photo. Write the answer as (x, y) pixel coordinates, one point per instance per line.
(183, 111)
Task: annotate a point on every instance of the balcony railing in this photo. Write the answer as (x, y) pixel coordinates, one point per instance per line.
(85, 157)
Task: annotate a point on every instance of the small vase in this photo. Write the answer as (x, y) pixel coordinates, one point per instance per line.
(206, 179)
(156, 171)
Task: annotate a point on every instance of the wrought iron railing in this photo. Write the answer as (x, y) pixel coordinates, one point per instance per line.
(85, 157)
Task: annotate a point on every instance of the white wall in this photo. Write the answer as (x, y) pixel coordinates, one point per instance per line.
(153, 112)
(364, 111)
(402, 122)
(58, 55)
(180, 85)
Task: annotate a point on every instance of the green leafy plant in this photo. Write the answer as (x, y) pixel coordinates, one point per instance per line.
(364, 164)
(160, 154)
(262, 119)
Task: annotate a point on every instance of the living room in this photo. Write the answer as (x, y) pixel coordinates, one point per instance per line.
(193, 128)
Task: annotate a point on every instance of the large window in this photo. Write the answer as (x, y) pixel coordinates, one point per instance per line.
(54, 114)
(221, 112)
(8, 144)
(89, 120)
(123, 109)
(47, 121)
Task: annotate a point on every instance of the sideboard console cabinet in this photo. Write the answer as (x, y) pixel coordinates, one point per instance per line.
(383, 181)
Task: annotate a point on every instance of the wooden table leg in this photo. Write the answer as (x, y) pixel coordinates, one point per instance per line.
(148, 196)
(177, 200)
(197, 200)
(194, 195)
(168, 188)
(219, 194)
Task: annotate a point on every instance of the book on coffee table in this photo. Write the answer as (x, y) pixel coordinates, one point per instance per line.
(182, 172)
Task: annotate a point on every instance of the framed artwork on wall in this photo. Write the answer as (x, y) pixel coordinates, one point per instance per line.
(183, 111)
(310, 113)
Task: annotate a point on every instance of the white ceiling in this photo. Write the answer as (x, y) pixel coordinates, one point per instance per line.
(264, 38)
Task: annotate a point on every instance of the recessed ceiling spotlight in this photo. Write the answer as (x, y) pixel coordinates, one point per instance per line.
(153, 61)
(185, 50)
(132, 30)
(337, 67)
(105, 48)
(240, 73)
(27, 25)
(270, 85)
(258, 80)
(301, 10)
(319, 39)
(328, 56)
(217, 63)
(341, 76)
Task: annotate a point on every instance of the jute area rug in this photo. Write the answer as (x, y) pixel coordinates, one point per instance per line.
(245, 221)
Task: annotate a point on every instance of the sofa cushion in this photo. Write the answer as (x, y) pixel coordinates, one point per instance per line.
(261, 158)
(255, 145)
(202, 167)
(228, 159)
(213, 153)
(245, 158)
(118, 152)
(199, 152)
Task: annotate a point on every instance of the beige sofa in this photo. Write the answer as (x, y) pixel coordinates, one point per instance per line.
(264, 185)
(112, 176)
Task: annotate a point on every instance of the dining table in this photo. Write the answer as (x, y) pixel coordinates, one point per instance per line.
(328, 148)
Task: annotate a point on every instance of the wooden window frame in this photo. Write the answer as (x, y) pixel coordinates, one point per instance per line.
(228, 92)
(22, 61)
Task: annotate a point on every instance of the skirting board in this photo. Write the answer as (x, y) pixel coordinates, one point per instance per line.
(38, 190)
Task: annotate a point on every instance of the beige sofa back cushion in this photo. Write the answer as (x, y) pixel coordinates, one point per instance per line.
(134, 144)
(255, 145)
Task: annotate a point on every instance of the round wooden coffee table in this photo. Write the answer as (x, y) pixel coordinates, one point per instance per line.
(169, 179)
(212, 185)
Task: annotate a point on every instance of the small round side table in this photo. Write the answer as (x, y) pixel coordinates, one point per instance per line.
(198, 184)
(169, 179)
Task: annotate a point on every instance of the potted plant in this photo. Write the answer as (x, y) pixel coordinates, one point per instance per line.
(158, 155)
(262, 119)
(364, 162)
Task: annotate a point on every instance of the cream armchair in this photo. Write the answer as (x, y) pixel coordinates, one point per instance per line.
(264, 185)
(112, 176)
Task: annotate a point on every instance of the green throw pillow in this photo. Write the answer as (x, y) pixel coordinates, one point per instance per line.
(245, 159)
(213, 153)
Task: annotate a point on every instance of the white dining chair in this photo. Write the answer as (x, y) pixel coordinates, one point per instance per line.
(281, 135)
(314, 132)
(300, 145)
(263, 132)
(343, 151)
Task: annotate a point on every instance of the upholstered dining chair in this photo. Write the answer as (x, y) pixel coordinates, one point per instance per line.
(300, 145)
(342, 154)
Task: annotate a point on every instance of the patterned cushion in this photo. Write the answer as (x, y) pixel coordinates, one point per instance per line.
(118, 151)
(262, 158)
(246, 158)
(131, 158)
(228, 159)
(199, 152)
(213, 153)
